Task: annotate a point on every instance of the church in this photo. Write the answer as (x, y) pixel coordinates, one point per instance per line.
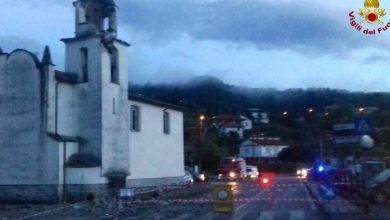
(67, 134)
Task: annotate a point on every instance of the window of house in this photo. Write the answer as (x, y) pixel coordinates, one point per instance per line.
(84, 64)
(166, 123)
(135, 118)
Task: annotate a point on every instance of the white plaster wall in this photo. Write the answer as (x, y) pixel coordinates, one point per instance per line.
(89, 94)
(84, 176)
(115, 122)
(67, 110)
(154, 154)
(246, 151)
(27, 155)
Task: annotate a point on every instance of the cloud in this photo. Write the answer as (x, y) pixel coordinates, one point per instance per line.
(376, 58)
(262, 24)
(10, 42)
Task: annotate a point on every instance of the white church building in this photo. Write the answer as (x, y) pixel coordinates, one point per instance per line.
(65, 134)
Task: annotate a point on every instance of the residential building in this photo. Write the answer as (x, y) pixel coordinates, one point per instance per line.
(262, 148)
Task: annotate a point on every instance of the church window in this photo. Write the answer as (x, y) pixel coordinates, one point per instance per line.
(135, 118)
(166, 123)
(84, 64)
(114, 67)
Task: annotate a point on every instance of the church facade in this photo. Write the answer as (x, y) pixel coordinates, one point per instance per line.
(78, 131)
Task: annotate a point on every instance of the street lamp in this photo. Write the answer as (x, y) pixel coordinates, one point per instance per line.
(366, 142)
(201, 120)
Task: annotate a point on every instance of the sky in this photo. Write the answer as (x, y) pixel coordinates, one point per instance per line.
(255, 43)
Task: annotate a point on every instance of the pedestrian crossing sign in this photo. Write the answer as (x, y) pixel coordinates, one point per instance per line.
(363, 126)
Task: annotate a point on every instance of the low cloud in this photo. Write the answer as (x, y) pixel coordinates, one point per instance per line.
(376, 58)
(262, 24)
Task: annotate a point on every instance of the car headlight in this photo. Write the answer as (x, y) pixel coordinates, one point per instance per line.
(299, 172)
(232, 175)
(304, 172)
(202, 177)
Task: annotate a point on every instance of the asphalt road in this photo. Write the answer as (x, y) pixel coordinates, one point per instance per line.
(284, 201)
(287, 199)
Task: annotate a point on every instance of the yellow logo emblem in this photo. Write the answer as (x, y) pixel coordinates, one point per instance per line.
(371, 13)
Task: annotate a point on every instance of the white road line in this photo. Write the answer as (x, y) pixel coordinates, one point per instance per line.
(266, 215)
(313, 207)
(297, 215)
(245, 204)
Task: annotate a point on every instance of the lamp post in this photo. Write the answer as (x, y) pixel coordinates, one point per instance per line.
(202, 118)
(366, 142)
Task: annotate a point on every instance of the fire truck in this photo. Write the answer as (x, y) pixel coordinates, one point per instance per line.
(232, 168)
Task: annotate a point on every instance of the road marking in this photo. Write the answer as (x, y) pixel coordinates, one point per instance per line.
(313, 207)
(266, 216)
(245, 204)
(297, 215)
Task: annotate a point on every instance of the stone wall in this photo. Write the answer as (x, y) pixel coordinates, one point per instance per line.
(30, 194)
(147, 182)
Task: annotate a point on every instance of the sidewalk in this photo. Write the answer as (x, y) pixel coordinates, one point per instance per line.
(346, 210)
(339, 206)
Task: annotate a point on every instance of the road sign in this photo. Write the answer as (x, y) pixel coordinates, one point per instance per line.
(363, 126)
(126, 194)
(223, 198)
(326, 191)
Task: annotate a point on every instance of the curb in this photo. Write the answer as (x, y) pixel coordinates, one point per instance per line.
(320, 206)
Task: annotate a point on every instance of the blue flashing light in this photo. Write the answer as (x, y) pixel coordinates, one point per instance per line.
(320, 168)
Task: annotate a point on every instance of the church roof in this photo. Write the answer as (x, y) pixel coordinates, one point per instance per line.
(70, 78)
(155, 102)
(63, 138)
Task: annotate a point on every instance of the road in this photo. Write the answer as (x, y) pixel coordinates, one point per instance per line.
(287, 199)
(284, 201)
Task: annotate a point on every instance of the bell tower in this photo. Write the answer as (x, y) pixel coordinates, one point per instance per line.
(95, 16)
(99, 59)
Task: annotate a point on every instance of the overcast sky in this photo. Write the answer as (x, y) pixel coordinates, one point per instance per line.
(257, 43)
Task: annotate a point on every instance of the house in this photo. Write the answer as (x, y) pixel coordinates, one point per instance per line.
(260, 148)
(67, 134)
(231, 123)
(258, 116)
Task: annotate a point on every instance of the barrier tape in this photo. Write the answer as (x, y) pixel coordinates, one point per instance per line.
(237, 200)
(243, 184)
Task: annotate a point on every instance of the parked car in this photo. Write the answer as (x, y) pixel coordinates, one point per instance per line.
(379, 188)
(252, 172)
(198, 177)
(187, 178)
